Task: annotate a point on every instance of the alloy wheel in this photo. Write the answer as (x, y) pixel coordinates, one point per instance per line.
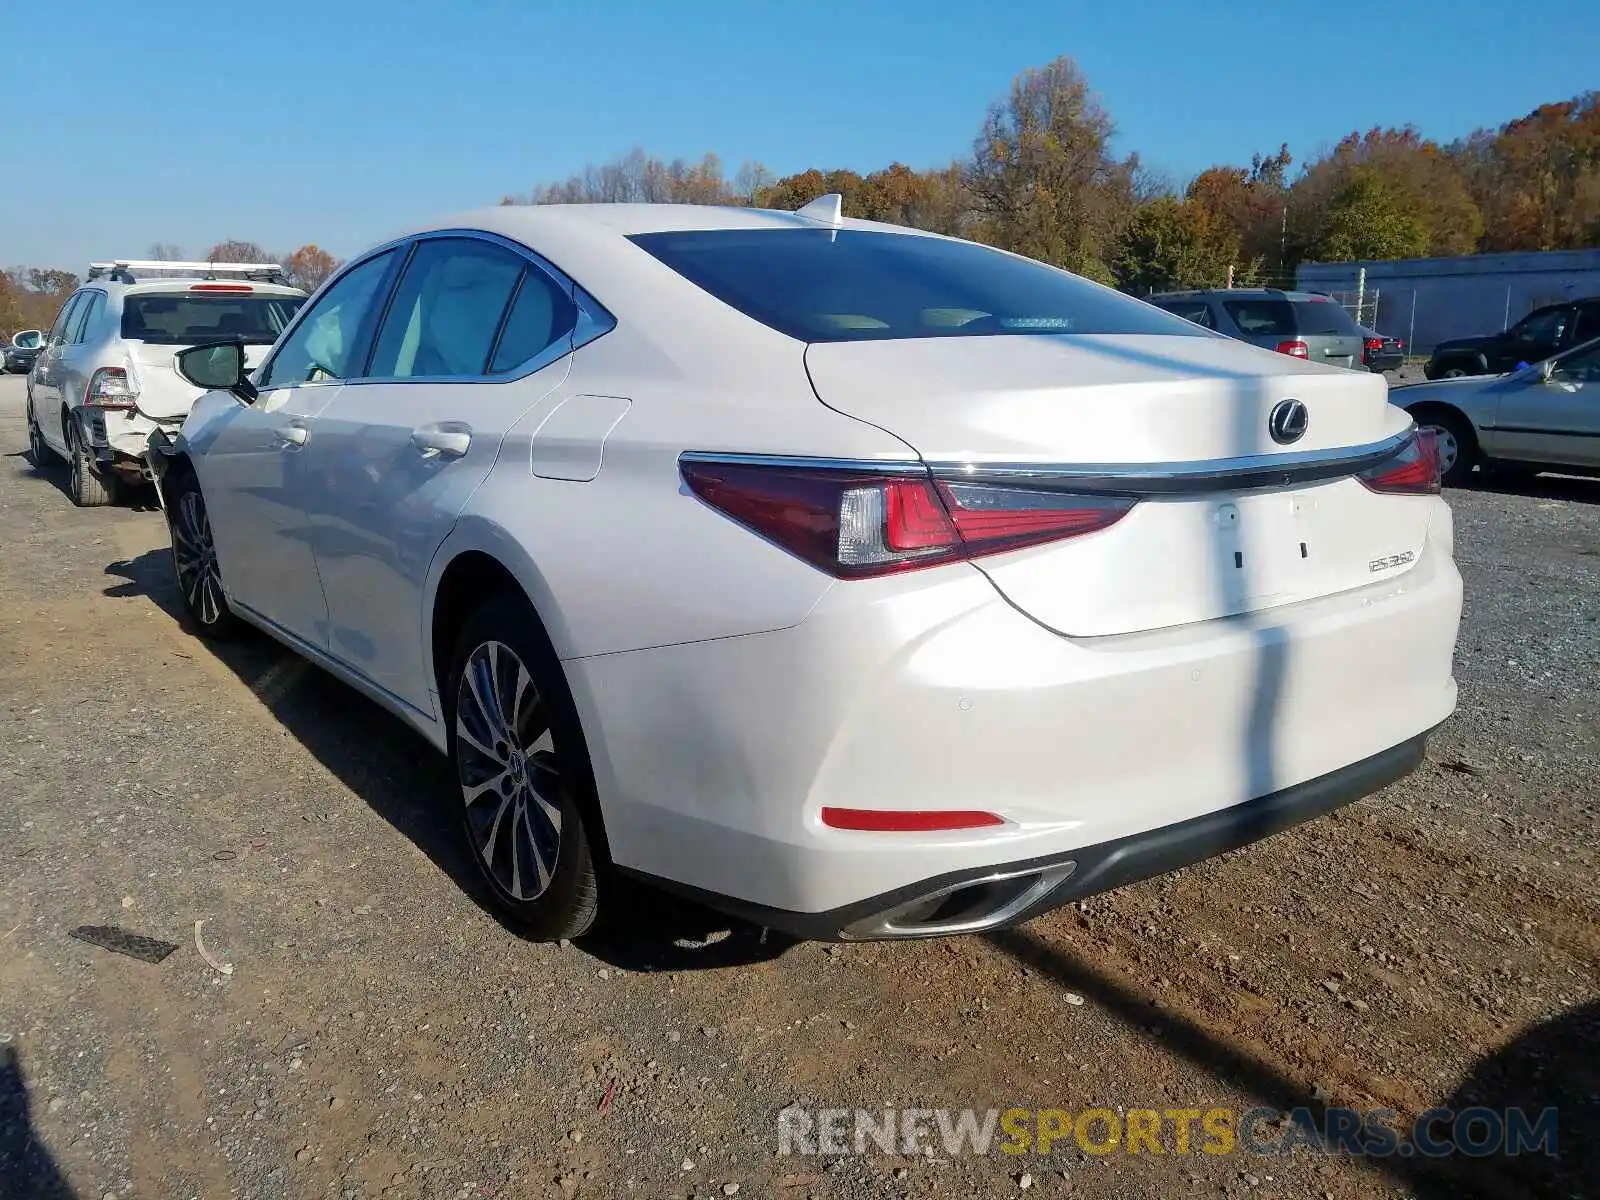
(194, 555)
(509, 771)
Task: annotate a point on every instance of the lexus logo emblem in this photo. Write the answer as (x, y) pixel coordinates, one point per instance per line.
(1287, 422)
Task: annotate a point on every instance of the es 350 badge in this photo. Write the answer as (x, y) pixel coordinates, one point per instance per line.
(1393, 560)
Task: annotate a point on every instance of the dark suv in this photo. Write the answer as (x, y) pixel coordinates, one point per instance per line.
(1543, 332)
(1301, 324)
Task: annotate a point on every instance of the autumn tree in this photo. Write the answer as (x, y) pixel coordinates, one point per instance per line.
(1042, 177)
(1537, 178)
(308, 266)
(49, 281)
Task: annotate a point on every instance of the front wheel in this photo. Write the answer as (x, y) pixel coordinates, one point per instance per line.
(39, 452)
(194, 562)
(526, 792)
(1458, 446)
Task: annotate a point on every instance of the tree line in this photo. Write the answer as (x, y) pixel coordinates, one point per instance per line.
(30, 297)
(1042, 180)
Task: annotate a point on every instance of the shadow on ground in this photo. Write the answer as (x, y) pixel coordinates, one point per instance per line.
(27, 1169)
(409, 785)
(1552, 1065)
(1578, 489)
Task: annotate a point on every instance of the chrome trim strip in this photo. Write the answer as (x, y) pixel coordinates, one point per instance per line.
(1126, 479)
(875, 466)
(892, 923)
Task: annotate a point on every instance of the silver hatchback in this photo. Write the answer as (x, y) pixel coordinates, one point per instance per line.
(103, 380)
(1300, 324)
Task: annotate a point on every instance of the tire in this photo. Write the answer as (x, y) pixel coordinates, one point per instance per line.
(194, 563)
(525, 796)
(1458, 444)
(39, 452)
(89, 489)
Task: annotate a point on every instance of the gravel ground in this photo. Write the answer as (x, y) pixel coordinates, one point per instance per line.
(380, 1034)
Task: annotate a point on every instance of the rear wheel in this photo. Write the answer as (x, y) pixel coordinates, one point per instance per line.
(89, 488)
(526, 791)
(194, 562)
(1458, 445)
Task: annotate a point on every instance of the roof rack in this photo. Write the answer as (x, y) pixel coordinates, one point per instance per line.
(122, 270)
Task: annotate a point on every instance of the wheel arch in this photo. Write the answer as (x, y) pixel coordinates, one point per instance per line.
(480, 559)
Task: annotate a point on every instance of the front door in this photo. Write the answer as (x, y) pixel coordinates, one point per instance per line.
(254, 467)
(476, 335)
(1555, 419)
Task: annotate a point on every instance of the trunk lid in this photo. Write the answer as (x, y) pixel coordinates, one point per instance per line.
(164, 395)
(1172, 417)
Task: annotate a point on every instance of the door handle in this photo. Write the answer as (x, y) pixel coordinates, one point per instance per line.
(293, 434)
(443, 439)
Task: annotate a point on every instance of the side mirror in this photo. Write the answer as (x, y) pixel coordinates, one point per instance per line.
(217, 367)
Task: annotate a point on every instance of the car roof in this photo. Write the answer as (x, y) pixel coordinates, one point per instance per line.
(518, 221)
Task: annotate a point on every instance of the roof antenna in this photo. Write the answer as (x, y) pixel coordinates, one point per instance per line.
(829, 210)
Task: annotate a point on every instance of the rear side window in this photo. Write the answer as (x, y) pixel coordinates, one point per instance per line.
(70, 309)
(541, 315)
(446, 311)
(188, 318)
(89, 316)
(847, 285)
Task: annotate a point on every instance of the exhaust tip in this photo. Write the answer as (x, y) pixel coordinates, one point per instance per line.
(968, 907)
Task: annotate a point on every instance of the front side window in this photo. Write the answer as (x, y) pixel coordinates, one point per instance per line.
(330, 342)
(1580, 367)
(847, 285)
(446, 312)
(189, 318)
(1542, 328)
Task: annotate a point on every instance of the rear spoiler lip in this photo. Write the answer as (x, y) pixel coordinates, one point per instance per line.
(1124, 479)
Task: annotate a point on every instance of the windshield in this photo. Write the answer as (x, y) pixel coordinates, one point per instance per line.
(847, 285)
(187, 319)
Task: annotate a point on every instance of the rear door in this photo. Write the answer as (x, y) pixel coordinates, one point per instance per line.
(45, 378)
(78, 358)
(475, 335)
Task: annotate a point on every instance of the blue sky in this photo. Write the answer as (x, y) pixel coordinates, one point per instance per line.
(343, 121)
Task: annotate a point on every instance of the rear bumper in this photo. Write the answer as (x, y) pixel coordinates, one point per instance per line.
(928, 691)
(993, 897)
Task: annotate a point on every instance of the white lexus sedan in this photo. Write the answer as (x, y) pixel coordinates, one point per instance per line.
(862, 582)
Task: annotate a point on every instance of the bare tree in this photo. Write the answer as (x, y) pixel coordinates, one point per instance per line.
(165, 252)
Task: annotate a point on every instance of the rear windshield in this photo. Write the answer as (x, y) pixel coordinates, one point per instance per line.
(188, 318)
(849, 285)
(1285, 318)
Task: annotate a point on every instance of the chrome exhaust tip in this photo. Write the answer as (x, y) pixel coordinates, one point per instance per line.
(971, 906)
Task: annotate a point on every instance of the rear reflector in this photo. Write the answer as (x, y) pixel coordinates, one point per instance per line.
(878, 820)
(221, 287)
(855, 522)
(1294, 349)
(1414, 471)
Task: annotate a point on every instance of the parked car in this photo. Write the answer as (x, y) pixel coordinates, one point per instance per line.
(1543, 417)
(104, 379)
(1381, 353)
(835, 574)
(1543, 332)
(18, 357)
(1304, 325)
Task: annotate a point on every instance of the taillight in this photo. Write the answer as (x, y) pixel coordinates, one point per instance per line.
(1373, 344)
(1294, 349)
(1414, 471)
(110, 387)
(855, 522)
